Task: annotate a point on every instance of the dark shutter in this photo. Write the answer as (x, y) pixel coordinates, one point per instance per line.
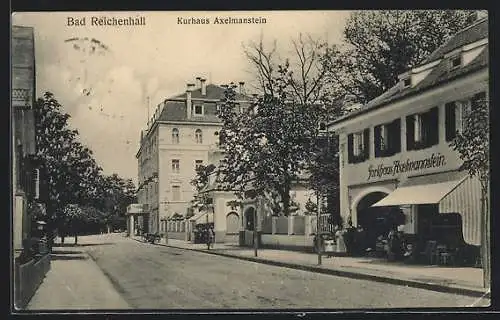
(450, 120)
(395, 136)
(433, 128)
(376, 140)
(366, 144)
(350, 149)
(410, 133)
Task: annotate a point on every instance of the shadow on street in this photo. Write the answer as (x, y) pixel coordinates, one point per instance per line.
(63, 257)
(66, 252)
(57, 245)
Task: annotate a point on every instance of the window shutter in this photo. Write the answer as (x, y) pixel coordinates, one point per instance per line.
(410, 132)
(433, 128)
(376, 138)
(450, 120)
(366, 144)
(395, 136)
(350, 149)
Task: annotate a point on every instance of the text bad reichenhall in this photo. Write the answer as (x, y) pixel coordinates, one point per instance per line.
(222, 20)
(101, 21)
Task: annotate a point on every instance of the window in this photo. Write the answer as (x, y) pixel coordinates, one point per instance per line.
(388, 139)
(358, 146)
(322, 126)
(198, 110)
(176, 193)
(422, 130)
(198, 163)
(175, 166)
(198, 136)
(407, 82)
(456, 62)
(456, 115)
(175, 136)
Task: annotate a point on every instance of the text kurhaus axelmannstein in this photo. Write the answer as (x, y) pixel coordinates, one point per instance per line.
(222, 20)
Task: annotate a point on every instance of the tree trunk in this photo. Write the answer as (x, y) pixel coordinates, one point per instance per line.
(285, 196)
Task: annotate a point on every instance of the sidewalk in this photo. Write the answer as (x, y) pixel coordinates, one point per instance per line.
(75, 282)
(466, 281)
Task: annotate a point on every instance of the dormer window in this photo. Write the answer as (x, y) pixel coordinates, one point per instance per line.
(407, 82)
(198, 110)
(456, 62)
(322, 126)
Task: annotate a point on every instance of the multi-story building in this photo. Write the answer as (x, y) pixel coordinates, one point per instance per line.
(25, 169)
(395, 150)
(179, 136)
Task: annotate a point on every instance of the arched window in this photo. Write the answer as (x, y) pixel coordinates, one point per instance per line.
(175, 136)
(198, 136)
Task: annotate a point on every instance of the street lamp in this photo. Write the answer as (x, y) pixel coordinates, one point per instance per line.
(255, 237)
(318, 238)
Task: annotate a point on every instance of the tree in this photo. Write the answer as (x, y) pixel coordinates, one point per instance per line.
(473, 148)
(274, 142)
(266, 146)
(72, 170)
(380, 45)
(74, 177)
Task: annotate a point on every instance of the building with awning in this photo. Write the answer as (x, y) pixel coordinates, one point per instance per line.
(136, 212)
(453, 191)
(395, 155)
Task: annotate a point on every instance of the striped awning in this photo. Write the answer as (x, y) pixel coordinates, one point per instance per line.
(453, 192)
(466, 200)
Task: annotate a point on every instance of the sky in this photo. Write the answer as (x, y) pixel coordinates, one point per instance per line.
(106, 92)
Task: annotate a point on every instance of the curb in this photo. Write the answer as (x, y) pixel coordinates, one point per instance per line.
(347, 274)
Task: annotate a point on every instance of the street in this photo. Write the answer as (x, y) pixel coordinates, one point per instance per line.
(158, 277)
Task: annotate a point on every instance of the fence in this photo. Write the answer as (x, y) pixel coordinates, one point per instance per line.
(299, 225)
(281, 224)
(267, 225)
(28, 277)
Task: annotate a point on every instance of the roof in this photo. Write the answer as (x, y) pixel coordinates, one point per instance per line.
(174, 109)
(212, 92)
(440, 73)
(472, 33)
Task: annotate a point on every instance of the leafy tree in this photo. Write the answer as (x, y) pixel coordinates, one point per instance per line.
(72, 171)
(380, 45)
(271, 145)
(473, 146)
(266, 147)
(75, 180)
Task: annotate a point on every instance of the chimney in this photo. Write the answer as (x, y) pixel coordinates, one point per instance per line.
(198, 82)
(242, 87)
(189, 103)
(203, 87)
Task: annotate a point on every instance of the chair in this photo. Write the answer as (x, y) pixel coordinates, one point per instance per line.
(430, 251)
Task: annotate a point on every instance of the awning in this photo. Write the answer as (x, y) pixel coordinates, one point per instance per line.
(422, 193)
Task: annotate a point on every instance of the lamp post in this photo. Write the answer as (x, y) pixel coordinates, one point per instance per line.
(165, 221)
(255, 238)
(318, 238)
